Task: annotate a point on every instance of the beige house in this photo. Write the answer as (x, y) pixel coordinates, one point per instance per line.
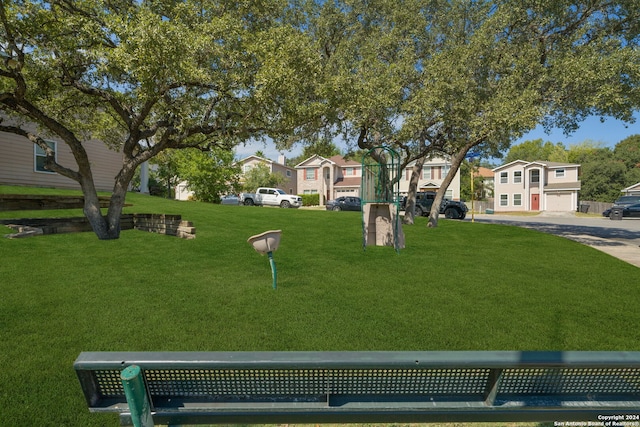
(290, 185)
(433, 174)
(536, 186)
(21, 163)
(330, 178)
(336, 176)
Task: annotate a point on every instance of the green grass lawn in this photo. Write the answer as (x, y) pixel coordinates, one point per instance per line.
(460, 286)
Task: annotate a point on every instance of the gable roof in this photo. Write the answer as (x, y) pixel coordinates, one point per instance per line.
(522, 162)
(341, 161)
(544, 163)
(254, 157)
(633, 188)
(310, 159)
(348, 182)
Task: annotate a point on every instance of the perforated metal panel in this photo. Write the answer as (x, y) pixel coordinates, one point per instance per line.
(109, 383)
(307, 382)
(568, 381)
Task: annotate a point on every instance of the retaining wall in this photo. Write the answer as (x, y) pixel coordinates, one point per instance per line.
(172, 225)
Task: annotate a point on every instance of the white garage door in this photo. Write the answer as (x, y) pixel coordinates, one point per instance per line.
(559, 202)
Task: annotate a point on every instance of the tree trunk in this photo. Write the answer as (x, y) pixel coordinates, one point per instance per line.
(410, 205)
(107, 227)
(456, 161)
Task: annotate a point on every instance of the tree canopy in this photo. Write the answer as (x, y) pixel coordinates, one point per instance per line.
(452, 76)
(444, 76)
(148, 76)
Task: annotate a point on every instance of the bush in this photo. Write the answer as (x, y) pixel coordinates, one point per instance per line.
(310, 199)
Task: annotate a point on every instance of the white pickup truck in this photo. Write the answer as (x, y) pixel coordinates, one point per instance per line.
(265, 196)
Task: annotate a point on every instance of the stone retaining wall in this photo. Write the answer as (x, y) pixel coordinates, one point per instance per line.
(172, 225)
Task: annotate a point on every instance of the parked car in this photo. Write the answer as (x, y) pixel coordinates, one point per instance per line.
(267, 196)
(450, 208)
(230, 199)
(629, 210)
(622, 201)
(345, 203)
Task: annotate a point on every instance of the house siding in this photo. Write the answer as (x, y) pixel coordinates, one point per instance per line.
(556, 188)
(290, 185)
(337, 177)
(433, 173)
(17, 164)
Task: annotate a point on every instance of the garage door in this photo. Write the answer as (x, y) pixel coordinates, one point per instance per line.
(560, 201)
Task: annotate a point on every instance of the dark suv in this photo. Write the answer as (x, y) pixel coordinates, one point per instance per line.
(623, 202)
(451, 209)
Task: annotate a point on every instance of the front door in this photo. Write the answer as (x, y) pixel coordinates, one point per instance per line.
(535, 202)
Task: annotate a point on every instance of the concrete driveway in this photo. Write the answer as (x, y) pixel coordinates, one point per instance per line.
(620, 239)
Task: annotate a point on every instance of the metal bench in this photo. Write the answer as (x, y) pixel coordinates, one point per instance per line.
(344, 387)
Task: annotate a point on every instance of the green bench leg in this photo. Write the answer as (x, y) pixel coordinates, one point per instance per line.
(136, 394)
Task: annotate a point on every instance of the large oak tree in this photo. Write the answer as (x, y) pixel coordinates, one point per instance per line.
(458, 75)
(145, 76)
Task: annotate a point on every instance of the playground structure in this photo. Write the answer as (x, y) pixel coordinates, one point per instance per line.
(379, 192)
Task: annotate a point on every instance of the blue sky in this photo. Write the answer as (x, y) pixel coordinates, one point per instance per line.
(608, 133)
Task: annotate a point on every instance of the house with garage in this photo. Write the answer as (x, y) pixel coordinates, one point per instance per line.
(536, 186)
(329, 177)
(22, 163)
(336, 176)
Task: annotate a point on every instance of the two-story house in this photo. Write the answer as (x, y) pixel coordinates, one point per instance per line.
(330, 178)
(536, 186)
(433, 174)
(290, 184)
(336, 176)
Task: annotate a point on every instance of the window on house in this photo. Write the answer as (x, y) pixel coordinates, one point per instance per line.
(348, 172)
(436, 172)
(41, 156)
(535, 176)
(288, 174)
(517, 177)
(504, 200)
(448, 194)
(310, 174)
(517, 200)
(426, 172)
(559, 173)
(504, 177)
(246, 168)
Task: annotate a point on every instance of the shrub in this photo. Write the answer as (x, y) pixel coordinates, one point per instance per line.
(310, 199)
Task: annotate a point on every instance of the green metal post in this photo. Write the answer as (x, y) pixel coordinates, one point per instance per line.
(274, 273)
(136, 394)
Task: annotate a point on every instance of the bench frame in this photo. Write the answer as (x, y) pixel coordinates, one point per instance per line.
(369, 386)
